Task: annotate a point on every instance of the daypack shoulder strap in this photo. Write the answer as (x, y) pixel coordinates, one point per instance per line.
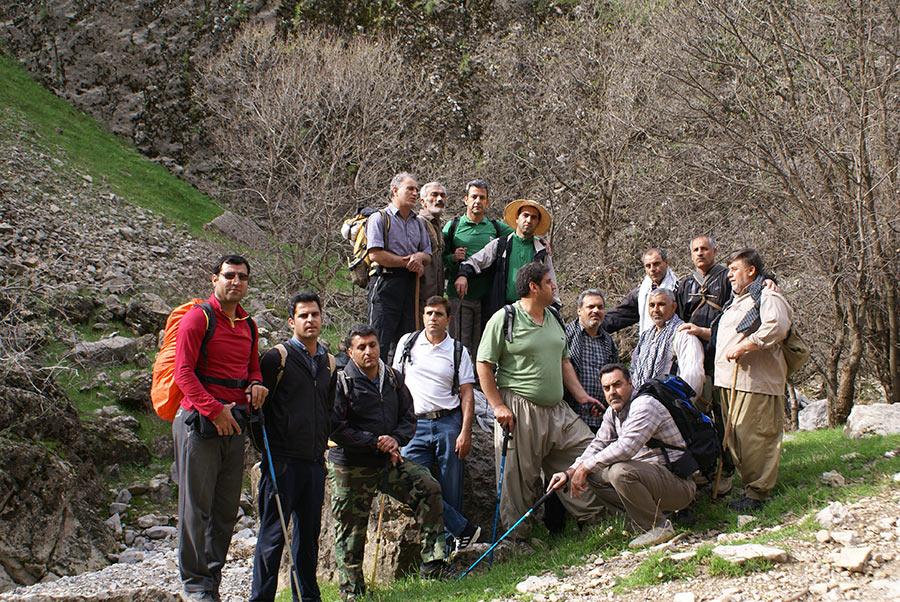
(405, 356)
(345, 383)
(508, 320)
(282, 352)
(557, 315)
(451, 232)
(496, 227)
(457, 359)
(386, 226)
(332, 364)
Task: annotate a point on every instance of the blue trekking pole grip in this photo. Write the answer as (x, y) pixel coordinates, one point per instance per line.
(506, 437)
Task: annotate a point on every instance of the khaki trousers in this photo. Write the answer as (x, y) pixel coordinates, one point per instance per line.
(643, 490)
(465, 323)
(757, 426)
(547, 438)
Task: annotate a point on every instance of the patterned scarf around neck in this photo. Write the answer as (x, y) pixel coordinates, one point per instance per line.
(750, 321)
(653, 351)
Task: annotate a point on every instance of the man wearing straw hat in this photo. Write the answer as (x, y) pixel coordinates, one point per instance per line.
(507, 254)
(749, 335)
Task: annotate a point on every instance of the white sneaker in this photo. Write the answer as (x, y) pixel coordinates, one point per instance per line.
(654, 536)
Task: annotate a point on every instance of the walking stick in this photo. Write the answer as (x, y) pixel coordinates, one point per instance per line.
(418, 317)
(727, 431)
(295, 574)
(378, 528)
(508, 531)
(506, 437)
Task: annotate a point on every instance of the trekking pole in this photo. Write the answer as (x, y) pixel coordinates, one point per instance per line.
(295, 572)
(508, 531)
(727, 419)
(506, 437)
(378, 528)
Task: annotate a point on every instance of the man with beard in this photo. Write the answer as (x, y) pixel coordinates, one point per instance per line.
(433, 197)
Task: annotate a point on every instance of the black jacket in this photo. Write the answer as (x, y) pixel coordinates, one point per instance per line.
(298, 410)
(360, 418)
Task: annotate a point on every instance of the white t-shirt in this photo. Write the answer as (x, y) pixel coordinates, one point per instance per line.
(429, 372)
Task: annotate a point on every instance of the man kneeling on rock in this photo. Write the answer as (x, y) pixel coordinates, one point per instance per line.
(373, 417)
(626, 474)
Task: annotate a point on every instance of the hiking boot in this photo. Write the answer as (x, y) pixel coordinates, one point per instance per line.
(433, 569)
(746, 504)
(198, 596)
(724, 485)
(654, 536)
(468, 536)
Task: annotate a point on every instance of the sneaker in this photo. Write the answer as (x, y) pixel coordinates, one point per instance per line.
(746, 504)
(433, 569)
(654, 536)
(724, 485)
(468, 536)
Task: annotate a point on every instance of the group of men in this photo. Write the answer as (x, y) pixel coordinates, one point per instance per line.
(402, 409)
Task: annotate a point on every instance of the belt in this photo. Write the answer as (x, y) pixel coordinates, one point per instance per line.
(393, 272)
(436, 415)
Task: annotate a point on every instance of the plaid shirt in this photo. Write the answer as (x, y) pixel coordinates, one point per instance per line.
(623, 435)
(588, 354)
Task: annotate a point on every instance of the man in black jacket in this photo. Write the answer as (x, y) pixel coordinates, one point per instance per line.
(372, 419)
(299, 374)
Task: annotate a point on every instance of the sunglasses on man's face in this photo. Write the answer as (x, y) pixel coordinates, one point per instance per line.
(232, 275)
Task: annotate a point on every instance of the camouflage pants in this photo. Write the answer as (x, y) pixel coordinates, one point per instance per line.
(352, 489)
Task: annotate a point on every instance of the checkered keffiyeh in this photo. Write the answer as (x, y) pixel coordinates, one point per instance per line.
(750, 321)
(653, 350)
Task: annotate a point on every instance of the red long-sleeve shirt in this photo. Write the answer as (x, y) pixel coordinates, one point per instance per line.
(231, 353)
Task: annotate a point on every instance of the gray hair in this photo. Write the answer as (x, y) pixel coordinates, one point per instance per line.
(665, 292)
(479, 184)
(423, 191)
(398, 179)
(591, 292)
(709, 239)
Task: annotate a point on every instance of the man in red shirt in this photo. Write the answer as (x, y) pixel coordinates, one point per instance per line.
(219, 381)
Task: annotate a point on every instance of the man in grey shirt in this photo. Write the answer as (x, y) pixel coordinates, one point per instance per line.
(399, 243)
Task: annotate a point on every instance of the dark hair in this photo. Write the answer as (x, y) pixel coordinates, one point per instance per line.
(303, 297)
(478, 184)
(230, 259)
(528, 273)
(608, 368)
(749, 257)
(437, 300)
(522, 208)
(359, 330)
(662, 254)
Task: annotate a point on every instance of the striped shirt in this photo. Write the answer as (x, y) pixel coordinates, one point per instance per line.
(624, 435)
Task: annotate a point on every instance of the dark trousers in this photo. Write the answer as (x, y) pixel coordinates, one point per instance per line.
(301, 486)
(392, 309)
(209, 473)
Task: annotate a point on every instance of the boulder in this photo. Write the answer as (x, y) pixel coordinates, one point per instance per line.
(147, 313)
(750, 551)
(111, 443)
(875, 419)
(135, 392)
(115, 349)
(814, 416)
(238, 228)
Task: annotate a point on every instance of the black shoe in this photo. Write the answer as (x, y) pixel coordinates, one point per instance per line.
(468, 536)
(685, 516)
(433, 569)
(745, 504)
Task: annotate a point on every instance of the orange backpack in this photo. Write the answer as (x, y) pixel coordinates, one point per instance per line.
(164, 393)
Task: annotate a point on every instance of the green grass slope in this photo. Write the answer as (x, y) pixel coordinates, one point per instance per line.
(93, 151)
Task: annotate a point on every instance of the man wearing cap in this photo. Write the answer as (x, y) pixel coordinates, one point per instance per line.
(463, 237)
(633, 308)
(433, 198)
(506, 255)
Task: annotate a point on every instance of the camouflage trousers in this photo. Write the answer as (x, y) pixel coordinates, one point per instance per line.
(352, 490)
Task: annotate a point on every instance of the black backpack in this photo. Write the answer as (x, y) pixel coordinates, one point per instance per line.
(510, 317)
(703, 451)
(457, 356)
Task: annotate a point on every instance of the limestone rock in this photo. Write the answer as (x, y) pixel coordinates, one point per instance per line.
(535, 584)
(875, 419)
(832, 515)
(238, 228)
(750, 551)
(833, 478)
(814, 416)
(684, 597)
(116, 349)
(852, 558)
(147, 313)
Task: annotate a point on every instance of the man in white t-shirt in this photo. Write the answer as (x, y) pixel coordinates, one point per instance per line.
(438, 372)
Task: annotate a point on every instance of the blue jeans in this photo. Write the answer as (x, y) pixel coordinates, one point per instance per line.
(435, 441)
